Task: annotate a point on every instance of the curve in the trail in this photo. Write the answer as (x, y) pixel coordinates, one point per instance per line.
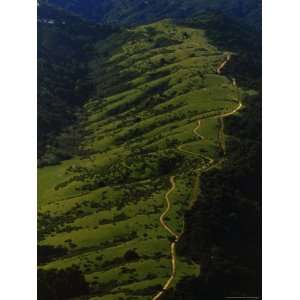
(161, 219)
(173, 185)
(195, 130)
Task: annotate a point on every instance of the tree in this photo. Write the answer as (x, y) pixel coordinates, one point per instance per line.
(131, 255)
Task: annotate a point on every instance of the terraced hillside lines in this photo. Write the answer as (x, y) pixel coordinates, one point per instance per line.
(153, 84)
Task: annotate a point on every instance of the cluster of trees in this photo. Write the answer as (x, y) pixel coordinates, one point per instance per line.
(50, 223)
(61, 284)
(139, 167)
(63, 146)
(46, 253)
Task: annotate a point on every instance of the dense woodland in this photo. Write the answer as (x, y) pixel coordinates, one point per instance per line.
(141, 12)
(61, 284)
(65, 46)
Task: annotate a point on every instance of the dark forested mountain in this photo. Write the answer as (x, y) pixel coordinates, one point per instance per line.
(143, 11)
(65, 44)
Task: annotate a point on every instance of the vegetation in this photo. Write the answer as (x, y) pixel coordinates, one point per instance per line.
(61, 284)
(225, 220)
(63, 84)
(105, 170)
(138, 11)
(244, 42)
(47, 253)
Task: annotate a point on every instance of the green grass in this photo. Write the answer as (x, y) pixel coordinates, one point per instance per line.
(151, 90)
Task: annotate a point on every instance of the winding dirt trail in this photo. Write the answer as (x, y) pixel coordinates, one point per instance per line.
(173, 244)
(161, 219)
(195, 130)
(211, 164)
(223, 64)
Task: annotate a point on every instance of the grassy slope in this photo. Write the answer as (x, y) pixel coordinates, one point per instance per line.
(154, 83)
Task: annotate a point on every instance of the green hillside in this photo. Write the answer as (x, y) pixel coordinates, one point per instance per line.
(103, 206)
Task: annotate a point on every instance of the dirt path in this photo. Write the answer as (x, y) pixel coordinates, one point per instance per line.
(161, 219)
(173, 244)
(210, 165)
(169, 281)
(223, 64)
(195, 130)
